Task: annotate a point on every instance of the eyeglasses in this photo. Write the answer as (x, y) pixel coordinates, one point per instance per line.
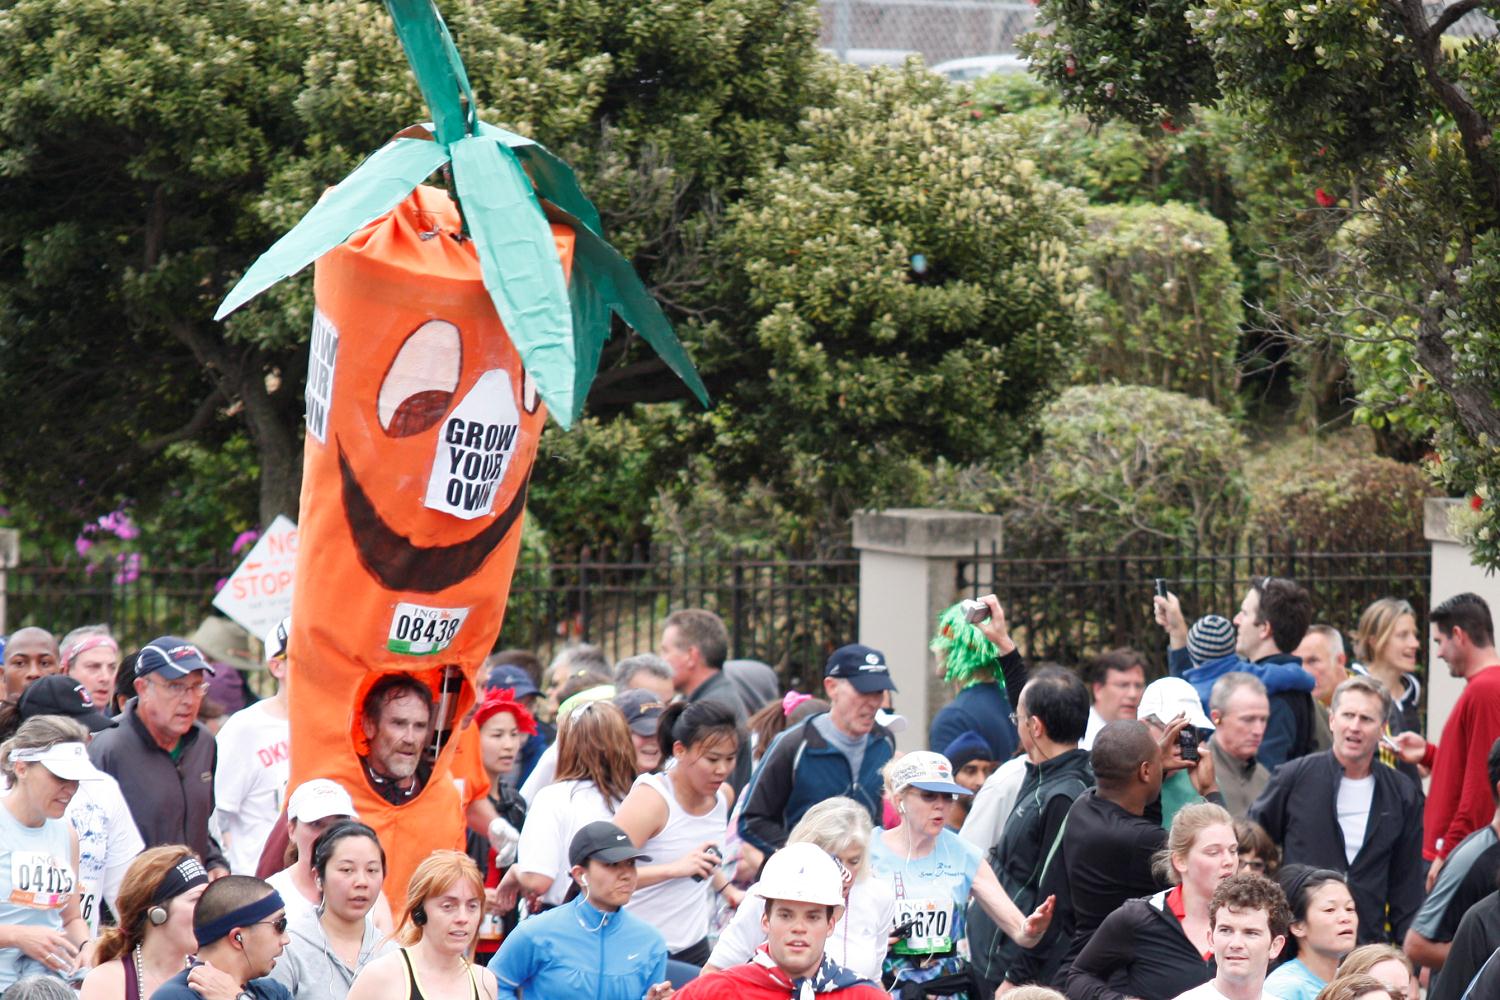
(178, 690)
(278, 925)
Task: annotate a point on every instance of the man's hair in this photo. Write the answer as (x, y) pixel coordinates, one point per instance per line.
(1119, 750)
(1225, 687)
(1334, 637)
(1253, 839)
(1252, 892)
(225, 895)
(1364, 685)
(772, 902)
(1123, 658)
(1468, 612)
(642, 663)
(582, 660)
(1058, 698)
(702, 629)
(1286, 607)
(387, 689)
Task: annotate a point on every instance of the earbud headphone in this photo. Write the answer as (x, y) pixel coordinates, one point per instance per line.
(901, 807)
(240, 938)
(585, 880)
(157, 915)
(419, 916)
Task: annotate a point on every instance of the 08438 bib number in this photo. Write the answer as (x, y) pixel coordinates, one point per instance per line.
(419, 631)
(926, 924)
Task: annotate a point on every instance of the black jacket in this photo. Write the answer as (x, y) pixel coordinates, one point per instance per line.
(1475, 941)
(1104, 860)
(1026, 844)
(1299, 809)
(1139, 951)
(169, 800)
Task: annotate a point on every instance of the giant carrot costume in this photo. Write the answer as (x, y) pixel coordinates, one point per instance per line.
(445, 328)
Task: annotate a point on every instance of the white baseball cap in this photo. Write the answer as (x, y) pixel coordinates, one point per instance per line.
(926, 770)
(1170, 697)
(318, 799)
(276, 639)
(68, 761)
(802, 873)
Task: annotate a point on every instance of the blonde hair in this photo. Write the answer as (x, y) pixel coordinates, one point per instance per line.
(1377, 625)
(1367, 956)
(835, 825)
(1355, 987)
(1189, 822)
(594, 745)
(438, 872)
(1034, 993)
(38, 733)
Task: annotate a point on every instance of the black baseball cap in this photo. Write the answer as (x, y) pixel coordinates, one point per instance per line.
(604, 842)
(861, 666)
(642, 710)
(59, 694)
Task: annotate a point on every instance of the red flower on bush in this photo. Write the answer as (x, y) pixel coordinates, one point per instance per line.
(1324, 198)
(1476, 502)
(1169, 126)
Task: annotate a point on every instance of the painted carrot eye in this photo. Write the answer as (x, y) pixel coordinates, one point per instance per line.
(528, 394)
(418, 388)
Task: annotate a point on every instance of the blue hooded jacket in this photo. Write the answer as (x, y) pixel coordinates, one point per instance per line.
(576, 950)
(1281, 674)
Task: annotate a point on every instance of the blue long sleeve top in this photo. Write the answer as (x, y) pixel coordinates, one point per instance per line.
(577, 950)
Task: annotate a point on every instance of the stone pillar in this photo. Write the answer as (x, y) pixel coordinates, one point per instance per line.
(10, 553)
(908, 573)
(1453, 572)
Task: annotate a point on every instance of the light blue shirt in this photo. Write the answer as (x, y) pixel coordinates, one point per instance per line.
(37, 879)
(575, 950)
(1293, 981)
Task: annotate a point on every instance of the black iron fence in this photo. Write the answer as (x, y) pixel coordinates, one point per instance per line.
(787, 610)
(1067, 607)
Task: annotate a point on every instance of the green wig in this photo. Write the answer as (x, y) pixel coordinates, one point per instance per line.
(964, 648)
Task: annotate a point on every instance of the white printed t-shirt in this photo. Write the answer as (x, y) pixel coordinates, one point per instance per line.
(1208, 991)
(108, 842)
(250, 782)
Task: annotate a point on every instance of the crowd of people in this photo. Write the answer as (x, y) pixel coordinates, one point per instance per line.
(1264, 820)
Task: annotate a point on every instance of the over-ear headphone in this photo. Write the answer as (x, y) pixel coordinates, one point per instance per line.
(157, 915)
(419, 916)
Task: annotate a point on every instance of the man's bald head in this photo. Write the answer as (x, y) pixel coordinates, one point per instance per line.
(30, 654)
(1120, 748)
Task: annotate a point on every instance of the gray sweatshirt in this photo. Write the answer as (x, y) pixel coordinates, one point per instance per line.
(309, 969)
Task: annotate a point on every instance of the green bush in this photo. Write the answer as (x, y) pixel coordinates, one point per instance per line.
(1345, 503)
(1164, 308)
(1118, 464)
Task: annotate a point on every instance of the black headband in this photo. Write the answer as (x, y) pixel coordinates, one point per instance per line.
(243, 917)
(179, 879)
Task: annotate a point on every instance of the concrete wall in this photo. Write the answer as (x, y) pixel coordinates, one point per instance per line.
(1453, 572)
(908, 574)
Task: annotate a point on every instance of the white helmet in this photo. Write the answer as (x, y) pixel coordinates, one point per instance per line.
(802, 873)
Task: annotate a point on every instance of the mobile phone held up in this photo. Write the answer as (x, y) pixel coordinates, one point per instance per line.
(1188, 740)
(1161, 587)
(975, 611)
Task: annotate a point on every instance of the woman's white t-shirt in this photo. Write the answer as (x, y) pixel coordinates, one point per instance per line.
(679, 907)
(558, 812)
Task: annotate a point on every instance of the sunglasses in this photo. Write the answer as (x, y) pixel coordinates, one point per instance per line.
(278, 925)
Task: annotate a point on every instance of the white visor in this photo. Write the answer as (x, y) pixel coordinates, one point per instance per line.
(68, 761)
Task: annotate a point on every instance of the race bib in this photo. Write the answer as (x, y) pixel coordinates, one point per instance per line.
(419, 631)
(88, 904)
(926, 925)
(39, 880)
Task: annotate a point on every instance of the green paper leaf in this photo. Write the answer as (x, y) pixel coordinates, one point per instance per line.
(554, 179)
(436, 65)
(374, 188)
(620, 289)
(518, 259)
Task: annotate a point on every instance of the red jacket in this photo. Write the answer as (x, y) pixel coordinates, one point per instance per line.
(753, 982)
(1460, 799)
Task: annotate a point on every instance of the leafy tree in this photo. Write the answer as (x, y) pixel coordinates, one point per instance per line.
(1164, 305)
(1119, 463)
(1375, 97)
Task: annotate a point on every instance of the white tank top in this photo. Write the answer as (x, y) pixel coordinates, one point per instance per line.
(679, 908)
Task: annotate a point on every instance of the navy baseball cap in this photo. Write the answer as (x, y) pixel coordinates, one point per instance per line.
(509, 675)
(861, 666)
(173, 656)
